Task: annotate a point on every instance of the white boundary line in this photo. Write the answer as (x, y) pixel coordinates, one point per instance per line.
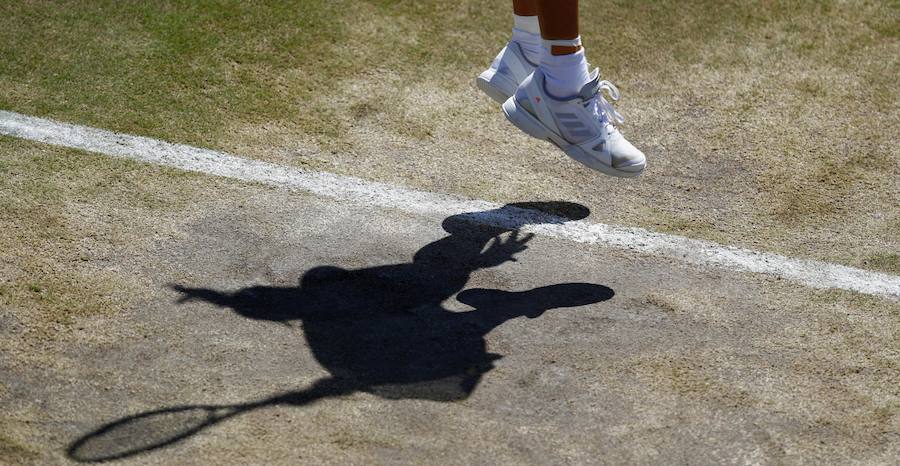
(814, 274)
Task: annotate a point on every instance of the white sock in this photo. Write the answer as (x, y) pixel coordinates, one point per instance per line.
(565, 74)
(528, 24)
(527, 33)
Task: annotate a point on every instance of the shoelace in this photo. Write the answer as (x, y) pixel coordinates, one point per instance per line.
(603, 109)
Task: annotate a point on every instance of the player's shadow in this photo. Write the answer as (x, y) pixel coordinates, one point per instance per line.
(381, 330)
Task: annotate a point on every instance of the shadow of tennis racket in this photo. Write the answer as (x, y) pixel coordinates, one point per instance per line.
(156, 429)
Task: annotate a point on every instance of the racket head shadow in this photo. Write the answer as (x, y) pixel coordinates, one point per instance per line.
(145, 431)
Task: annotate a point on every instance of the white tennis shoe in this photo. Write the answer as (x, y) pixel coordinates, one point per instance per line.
(507, 71)
(581, 125)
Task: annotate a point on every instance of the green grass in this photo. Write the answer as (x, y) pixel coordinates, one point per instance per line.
(166, 68)
(186, 69)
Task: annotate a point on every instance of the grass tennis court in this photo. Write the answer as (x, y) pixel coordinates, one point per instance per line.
(768, 125)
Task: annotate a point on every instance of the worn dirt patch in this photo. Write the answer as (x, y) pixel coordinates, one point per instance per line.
(698, 365)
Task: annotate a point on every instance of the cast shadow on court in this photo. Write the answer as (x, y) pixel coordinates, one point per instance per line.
(381, 330)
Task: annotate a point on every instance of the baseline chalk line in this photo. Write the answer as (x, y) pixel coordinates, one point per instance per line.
(815, 274)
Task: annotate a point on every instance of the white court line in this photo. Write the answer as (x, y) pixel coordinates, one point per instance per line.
(814, 274)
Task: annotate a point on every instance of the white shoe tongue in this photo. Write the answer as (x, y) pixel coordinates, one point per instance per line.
(592, 87)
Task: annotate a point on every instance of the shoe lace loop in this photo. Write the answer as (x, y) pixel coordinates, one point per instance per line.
(603, 106)
(594, 95)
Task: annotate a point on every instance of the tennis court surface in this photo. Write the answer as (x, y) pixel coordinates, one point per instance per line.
(271, 234)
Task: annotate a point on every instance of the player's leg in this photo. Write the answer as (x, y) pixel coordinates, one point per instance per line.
(559, 21)
(565, 67)
(518, 58)
(525, 7)
(561, 101)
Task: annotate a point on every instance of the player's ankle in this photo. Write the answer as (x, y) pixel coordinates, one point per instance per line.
(527, 33)
(527, 24)
(566, 73)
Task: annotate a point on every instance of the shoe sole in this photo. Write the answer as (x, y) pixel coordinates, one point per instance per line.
(496, 86)
(530, 125)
